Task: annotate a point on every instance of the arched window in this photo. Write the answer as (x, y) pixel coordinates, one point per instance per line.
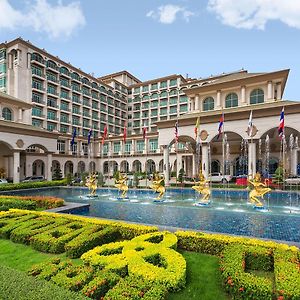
(208, 104)
(257, 96)
(7, 114)
(231, 100)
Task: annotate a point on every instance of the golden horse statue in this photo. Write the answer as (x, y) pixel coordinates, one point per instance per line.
(202, 188)
(259, 190)
(121, 185)
(157, 186)
(91, 183)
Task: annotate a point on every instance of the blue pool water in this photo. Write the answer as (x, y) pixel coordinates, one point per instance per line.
(229, 211)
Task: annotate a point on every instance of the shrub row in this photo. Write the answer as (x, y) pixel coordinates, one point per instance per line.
(56, 233)
(30, 185)
(237, 262)
(147, 256)
(214, 244)
(29, 202)
(17, 285)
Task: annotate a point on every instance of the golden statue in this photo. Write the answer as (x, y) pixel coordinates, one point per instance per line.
(2, 173)
(202, 188)
(91, 183)
(259, 190)
(157, 186)
(121, 185)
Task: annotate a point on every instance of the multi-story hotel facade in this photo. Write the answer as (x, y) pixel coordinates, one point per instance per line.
(44, 100)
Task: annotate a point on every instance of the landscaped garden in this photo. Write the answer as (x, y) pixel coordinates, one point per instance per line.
(70, 257)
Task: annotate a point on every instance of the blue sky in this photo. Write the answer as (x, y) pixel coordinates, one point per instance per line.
(154, 38)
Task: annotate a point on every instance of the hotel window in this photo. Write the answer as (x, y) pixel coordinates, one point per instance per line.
(64, 118)
(173, 93)
(154, 86)
(75, 76)
(51, 102)
(65, 71)
(128, 147)
(64, 94)
(75, 121)
(35, 70)
(163, 84)
(153, 145)
(37, 123)
(51, 126)
(173, 82)
(154, 96)
(51, 64)
(164, 102)
(257, 96)
(75, 98)
(154, 113)
(140, 146)
(64, 128)
(37, 111)
(173, 101)
(51, 89)
(37, 84)
(2, 82)
(146, 97)
(2, 68)
(163, 111)
(51, 77)
(136, 90)
(163, 95)
(7, 114)
(183, 99)
(145, 88)
(154, 103)
(85, 147)
(117, 147)
(231, 100)
(208, 104)
(64, 105)
(2, 54)
(105, 149)
(173, 110)
(51, 115)
(61, 146)
(183, 108)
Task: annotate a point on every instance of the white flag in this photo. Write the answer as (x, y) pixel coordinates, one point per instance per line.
(250, 125)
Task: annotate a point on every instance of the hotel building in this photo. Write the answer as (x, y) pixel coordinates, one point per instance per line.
(44, 100)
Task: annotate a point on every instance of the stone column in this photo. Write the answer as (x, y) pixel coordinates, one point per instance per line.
(16, 174)
(243, 95)
(49, 167)
(166, 164)
(196, 102)
(270, 90)
(178, 163)
(251, 158)
(20, 117)
(279, 91)
(218, 99)
(205, 163)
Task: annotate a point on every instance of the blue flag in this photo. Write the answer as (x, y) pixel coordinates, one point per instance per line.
(89, 136)
(73, 137)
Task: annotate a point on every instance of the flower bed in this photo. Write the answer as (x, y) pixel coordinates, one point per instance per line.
(29, 202)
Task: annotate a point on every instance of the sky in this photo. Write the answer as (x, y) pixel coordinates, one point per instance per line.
(156, 38)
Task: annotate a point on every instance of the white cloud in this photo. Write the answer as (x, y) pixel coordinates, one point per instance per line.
(56, 20)
(167, 14)
(256, 13)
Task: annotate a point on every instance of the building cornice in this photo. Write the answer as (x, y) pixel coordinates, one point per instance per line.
(14, 101)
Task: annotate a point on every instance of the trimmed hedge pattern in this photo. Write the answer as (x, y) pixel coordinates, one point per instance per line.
(58, 233)
(17, 285)
(30, 185)
(147, 256)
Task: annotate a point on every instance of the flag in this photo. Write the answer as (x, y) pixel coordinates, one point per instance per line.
(196, 129)
(250, 125)
(176, 131)
(73, 137)
(104, 134)
(281, 124)
(89, 136)
(221, 125)
(144, 131)
(125, 133)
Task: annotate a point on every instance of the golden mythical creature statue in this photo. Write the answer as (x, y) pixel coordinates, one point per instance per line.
(259, 190)
(91, 183)
(202, 188)
(158, 186)
(121, 185)
(2, 173)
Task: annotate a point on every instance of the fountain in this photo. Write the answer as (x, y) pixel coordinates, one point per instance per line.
(203, 189)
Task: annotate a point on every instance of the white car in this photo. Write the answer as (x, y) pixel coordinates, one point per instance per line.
(218, 177)
(2, 181)
(33, 178)
(293, 180)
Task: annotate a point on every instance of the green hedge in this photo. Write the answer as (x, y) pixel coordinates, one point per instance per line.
(136, 288)
(30, 185)
(17, 285)
(6, 204)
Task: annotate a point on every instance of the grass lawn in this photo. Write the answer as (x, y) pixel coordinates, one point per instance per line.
(22, 257)
(203, 280)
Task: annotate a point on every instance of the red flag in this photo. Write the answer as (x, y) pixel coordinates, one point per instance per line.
(125, 133)
(104, 134)
(144, 131)
(176, 131)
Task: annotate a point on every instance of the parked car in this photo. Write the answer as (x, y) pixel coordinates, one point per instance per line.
(33, 178)
(2, 181)
(293, 180)
(218, 177)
